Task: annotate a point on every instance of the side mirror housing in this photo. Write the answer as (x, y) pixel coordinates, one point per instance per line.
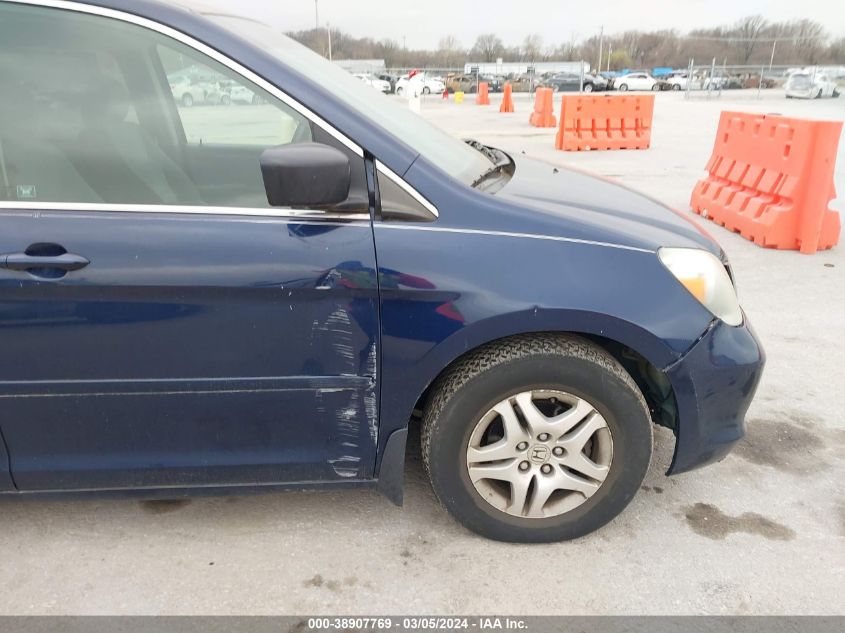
(305, 175)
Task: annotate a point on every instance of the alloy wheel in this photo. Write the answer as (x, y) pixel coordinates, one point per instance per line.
(539, 453)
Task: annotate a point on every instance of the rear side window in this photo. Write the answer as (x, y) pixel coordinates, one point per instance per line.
(96, 110)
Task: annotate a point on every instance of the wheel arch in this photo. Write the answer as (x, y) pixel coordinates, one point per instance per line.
(641, 353)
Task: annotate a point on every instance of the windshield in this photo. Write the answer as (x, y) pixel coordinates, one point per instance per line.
(800, 80)
(391, 113)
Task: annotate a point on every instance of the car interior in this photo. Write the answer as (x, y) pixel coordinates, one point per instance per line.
(81, 125)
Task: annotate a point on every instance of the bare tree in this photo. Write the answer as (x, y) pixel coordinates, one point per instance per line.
(532, 46)
(808, 39)
(799, 42)
(747, 32)
(836, 51)
(489, 46)
(449, 50)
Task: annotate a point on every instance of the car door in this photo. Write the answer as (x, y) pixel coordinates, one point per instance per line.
(161, 324)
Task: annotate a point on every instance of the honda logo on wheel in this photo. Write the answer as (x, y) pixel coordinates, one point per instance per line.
(540, 454)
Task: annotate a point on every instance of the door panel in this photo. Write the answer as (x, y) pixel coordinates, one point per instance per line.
(191, 350)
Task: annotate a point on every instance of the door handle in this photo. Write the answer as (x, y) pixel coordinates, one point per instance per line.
(23, 261)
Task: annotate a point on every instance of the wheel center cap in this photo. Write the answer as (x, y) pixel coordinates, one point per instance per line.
(539, 453)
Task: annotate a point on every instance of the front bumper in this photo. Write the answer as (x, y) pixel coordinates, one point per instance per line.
(714, 384)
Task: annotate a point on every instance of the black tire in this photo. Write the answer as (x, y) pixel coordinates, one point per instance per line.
(623, 88)
(588, 87)
(655, 88)
(400, 91)
(187, 100)
(426, 90)
(676, 86)
(225, 100)
(547, 361)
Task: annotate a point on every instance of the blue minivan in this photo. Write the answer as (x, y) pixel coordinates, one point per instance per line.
(227, 265)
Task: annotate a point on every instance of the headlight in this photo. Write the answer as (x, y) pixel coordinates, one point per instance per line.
(706, 279)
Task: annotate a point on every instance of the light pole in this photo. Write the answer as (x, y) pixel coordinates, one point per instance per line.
(316, 16)
(601, 44)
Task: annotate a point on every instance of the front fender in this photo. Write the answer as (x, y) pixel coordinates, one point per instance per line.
(444, 293)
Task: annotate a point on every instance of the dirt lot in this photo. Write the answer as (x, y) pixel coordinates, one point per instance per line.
(762, 532)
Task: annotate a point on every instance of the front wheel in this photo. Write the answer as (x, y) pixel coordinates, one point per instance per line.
(623, 87)
(426, 90)
(588, 87)
(655, 88)
(676, 86)
(187, 100)
(400, 91)
(538, 438)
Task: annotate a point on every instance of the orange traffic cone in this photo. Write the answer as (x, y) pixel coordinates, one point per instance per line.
(507, 100)
(483, 96)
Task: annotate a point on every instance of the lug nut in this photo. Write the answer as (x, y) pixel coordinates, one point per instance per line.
(543, 437)
(546, 469)
(558, 451)
(522, 446)
(524, 465)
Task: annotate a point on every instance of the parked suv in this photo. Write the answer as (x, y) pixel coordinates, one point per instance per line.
(254, 299)
(810, 85)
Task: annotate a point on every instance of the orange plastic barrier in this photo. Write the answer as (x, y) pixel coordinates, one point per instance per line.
(483, 96)
(543, 114)
(605, 122)
(507, 99)
(770, 179)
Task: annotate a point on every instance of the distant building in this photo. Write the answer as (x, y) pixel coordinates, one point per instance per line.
(361, 65)
(523, 68)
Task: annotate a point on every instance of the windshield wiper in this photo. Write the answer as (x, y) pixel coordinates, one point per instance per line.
(502, 163)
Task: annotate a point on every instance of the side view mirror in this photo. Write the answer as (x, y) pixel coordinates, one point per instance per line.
(305, 174)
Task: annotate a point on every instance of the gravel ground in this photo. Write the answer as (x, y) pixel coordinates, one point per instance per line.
(762, 532)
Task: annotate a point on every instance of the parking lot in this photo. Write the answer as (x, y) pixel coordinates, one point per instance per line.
(761, 532)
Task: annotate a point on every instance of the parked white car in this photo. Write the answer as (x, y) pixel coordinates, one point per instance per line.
(425, 85)
(636, 81)
(237, 93)
(678, 81)
(810, 85)
(379, 84)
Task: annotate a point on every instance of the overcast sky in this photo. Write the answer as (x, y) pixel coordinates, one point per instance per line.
(423, 22)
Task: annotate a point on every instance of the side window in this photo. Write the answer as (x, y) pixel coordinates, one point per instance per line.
(96, 110)
(397, 204)
(209, 98)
